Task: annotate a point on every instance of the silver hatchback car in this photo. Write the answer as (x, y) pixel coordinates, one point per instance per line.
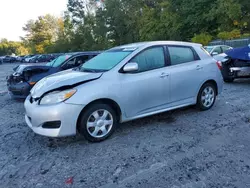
(122, 84)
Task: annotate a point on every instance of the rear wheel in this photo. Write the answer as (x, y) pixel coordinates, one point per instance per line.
(97, 122)
(206, 96)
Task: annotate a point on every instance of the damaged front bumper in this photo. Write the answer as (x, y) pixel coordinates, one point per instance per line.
(17, 88)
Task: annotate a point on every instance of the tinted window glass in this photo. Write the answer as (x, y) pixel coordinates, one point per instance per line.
(81, 59)
(150, 59)
(179, 55)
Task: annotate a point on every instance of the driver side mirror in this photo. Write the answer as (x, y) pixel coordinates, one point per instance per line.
(215, 53)
(130, 67)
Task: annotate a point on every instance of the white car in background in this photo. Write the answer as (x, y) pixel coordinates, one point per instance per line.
(216, 50)
(27, 59)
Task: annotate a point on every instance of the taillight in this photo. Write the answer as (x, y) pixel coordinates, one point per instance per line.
(219, 64)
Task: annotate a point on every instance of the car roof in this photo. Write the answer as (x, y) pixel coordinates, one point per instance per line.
(84, 53)
(218, 46)
(152, 43)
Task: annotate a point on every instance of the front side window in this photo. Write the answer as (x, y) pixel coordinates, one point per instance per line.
(179, 55)
(150, 59)
(79, 60)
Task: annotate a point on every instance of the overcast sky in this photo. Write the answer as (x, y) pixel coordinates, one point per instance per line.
(15, 13)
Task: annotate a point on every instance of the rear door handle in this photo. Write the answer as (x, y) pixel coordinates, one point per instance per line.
(163, 75)
(198, 67)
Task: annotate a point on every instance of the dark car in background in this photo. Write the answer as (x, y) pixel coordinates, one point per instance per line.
(20, 58)
(235, 63)
(9, 59)
(42, 58)
(27, 75)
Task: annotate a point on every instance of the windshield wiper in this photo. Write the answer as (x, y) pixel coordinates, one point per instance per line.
(92, 70)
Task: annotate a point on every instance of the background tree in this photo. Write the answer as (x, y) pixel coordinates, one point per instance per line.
(88, 26)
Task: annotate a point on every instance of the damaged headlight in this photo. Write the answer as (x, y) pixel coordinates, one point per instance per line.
(57, 96)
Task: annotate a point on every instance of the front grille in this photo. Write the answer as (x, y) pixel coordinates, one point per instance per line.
(15, 92)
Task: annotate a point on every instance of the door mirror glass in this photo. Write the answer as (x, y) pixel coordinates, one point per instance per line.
(215, 53)
(130, 67)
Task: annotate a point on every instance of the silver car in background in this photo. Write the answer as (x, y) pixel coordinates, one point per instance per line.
(218, 49)
(122, 84)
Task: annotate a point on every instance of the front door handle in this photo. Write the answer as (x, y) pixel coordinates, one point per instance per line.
(163, 75)
(198, 67)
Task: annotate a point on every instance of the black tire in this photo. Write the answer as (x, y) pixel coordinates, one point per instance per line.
(199, 103)
(228, 80)
(86, 114)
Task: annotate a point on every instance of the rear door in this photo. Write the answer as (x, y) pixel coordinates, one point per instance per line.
(186, 74)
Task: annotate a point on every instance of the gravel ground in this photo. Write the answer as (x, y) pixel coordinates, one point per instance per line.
(184, 148)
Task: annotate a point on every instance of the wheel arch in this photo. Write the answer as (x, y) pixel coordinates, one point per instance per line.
(210, 81)
(107, 101)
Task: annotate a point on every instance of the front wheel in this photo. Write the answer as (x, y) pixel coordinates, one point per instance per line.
(206, 97)
(97, 122)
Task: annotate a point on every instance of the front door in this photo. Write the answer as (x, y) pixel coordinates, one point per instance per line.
(146, 90)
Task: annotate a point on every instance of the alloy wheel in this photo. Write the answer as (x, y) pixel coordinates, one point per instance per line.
(208, 96)
(99, 123)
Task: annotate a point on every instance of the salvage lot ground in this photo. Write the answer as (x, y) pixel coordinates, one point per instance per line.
(184, 148)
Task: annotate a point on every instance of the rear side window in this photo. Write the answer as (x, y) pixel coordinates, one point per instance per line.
(150, 59)
(218, 50)
(225, 48)
(179, 55)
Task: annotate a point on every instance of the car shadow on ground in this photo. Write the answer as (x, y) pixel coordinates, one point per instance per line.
(242, 81)
(162, 119)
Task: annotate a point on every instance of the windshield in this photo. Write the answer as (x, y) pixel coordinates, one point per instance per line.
(208, 48)
(58, 61)
(105, 61)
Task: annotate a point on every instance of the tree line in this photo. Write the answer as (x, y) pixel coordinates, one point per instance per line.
(93, 25)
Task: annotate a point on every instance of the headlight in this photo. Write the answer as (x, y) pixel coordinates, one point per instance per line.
(57, 96)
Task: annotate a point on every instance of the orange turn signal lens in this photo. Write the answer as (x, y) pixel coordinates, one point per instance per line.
(69, 94)
(32, 83)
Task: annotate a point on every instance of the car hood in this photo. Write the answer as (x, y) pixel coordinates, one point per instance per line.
(68, 78)
(25, 67)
